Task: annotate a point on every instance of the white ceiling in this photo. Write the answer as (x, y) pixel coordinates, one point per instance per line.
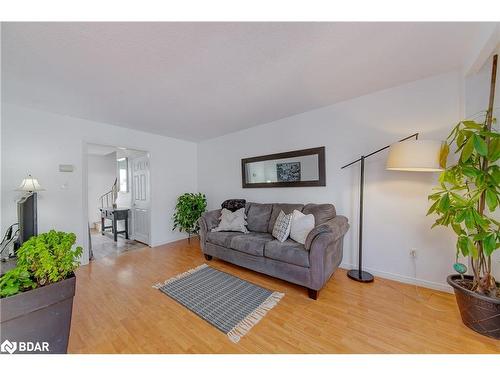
(200, 80)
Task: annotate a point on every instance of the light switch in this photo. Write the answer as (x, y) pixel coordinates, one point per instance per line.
(66, 168)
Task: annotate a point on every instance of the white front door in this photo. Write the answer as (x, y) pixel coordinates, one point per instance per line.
(141, 199)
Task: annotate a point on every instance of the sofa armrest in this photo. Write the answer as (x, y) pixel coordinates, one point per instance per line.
(325, 245)
(209, 220)
(337, 227)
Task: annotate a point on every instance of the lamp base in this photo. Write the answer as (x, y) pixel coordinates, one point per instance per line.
(361, 276)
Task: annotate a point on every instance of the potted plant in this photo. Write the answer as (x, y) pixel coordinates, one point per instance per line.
(36, 297)
(188, 210)
(465, 201)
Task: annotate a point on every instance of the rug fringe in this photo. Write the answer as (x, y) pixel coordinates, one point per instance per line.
(245, 325)
(180, 276)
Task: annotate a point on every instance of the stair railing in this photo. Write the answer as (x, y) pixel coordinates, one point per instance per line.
(110, 196)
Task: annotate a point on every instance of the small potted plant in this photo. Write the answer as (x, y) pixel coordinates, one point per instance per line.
(465, 201)
(189, 208)
(36, 297)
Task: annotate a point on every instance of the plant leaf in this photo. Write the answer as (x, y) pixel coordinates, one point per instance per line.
(432, 208)
(460, 138)
(443, 155)
(489, 244)
(491, 199)
(495, 173)
(480, 145)
(444, 203)
(462, 245)
(457, 228)
(480, 236)
(472, 125)
(469, 220)
(460, 216)
(494, 150)
(480, 220)
(459, 199)
(470, 171)
(467, 150)
(471, 248)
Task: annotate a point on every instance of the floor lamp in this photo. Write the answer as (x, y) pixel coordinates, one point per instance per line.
(405, 155)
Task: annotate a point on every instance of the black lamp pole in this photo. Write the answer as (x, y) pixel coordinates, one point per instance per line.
(359, 274)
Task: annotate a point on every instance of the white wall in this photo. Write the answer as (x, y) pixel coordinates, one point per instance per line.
(477, 91)
(395, 202)
(38, 142)
(101, 176)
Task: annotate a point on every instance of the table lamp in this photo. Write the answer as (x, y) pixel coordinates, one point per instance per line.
(30, 184)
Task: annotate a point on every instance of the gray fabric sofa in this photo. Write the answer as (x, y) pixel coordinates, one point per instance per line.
(310, 265)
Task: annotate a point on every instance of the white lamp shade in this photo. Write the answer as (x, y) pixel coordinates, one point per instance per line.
(30, 184)
(414, 155)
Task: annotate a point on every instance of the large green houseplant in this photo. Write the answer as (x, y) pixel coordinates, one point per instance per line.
(189, 208)
(466, 201)
(467, 197)
(42, 260)
(37, 295)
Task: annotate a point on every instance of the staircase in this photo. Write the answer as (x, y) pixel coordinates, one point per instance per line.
(110, 197)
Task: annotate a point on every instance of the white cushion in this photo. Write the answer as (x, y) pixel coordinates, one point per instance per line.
(301, 226)
(282, 226)
(232, 221)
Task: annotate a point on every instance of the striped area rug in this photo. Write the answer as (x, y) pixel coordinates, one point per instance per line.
(227, 302)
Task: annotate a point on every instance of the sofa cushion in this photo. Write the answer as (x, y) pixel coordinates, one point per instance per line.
(258, 216)
(322, 212)
(221, 238)
(287, 208)
(251, 243)
(289, 252)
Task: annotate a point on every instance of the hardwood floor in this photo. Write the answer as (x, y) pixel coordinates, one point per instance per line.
(116, 310)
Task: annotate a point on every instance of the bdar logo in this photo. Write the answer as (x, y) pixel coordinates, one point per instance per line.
(8, 346)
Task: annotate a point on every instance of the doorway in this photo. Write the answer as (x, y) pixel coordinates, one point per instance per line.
(140, 198)
(118, 200)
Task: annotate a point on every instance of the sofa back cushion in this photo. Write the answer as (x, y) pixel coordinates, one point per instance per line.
(287, 208)
(322, 212)
(258, 216)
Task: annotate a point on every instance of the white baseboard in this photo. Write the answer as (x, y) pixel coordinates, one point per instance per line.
(180, 237)
(403, 279)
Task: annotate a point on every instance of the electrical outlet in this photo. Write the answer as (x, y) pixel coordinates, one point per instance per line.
(413, 253)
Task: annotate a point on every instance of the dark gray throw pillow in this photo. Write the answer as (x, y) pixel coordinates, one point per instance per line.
(233, 204)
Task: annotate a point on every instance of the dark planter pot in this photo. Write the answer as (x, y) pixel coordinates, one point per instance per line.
(479, 313)
(41, 315)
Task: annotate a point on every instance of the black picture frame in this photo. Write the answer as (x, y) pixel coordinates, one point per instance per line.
(319, 151)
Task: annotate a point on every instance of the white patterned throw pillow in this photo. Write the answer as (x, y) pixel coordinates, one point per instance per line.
(301, 226)
(282, 226)
(232, 221)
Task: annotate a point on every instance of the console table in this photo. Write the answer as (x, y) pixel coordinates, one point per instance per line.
(114, 214)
